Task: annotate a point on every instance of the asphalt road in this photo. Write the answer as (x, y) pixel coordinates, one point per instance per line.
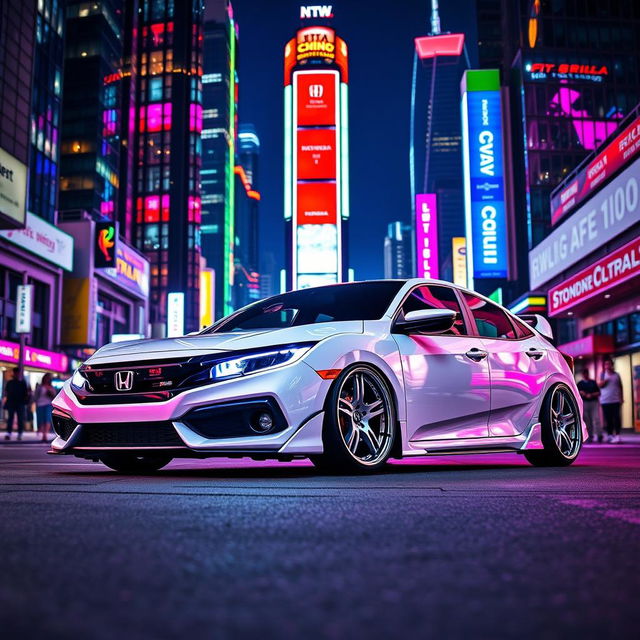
(448, 547)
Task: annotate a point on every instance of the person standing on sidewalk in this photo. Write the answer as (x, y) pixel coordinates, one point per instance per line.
(590, 392)
(15, 400)
(611, 399)
(42, 397)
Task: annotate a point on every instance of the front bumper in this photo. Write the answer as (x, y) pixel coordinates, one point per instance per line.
(294, 395)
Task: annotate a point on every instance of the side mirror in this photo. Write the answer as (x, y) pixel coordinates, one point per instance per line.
(426, 320)
(539, 323)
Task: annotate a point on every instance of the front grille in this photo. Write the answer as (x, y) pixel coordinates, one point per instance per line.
(135, 434)
(63, 425)
(123, 398)
(145, 378)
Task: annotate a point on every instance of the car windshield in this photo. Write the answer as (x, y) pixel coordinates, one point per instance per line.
(333, 303)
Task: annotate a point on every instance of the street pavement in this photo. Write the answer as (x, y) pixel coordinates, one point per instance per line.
(481, 546)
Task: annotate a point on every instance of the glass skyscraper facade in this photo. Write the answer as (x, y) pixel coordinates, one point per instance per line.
(398, 251)
(573, 73)
(46, 96)
(219, 137)
(92, 114)
(16, 63)
(169, 65)
(247, 201)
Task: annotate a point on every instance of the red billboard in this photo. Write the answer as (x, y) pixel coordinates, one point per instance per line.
(316, 154)
(619, 266)
(618, 153)
(316, 99)
(316, 203)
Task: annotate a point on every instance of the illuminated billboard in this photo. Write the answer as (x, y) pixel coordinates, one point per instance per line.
(316, 100)
(619, 152)
(316, 193)
(316, 42)
(106, 245)
(316, 154)
(427, 235)
(459, 260)
(485, 206)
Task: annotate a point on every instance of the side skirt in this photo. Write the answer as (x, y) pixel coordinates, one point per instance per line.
(529, 439)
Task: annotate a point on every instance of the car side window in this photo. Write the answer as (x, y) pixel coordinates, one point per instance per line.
(436, 297)
(522, 330)
(491, 320)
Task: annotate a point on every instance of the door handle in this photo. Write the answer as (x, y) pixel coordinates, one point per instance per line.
(476, 354)
(536, 354)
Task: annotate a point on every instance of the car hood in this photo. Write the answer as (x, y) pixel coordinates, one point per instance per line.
(187, 346)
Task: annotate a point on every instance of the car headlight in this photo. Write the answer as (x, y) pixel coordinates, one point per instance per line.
(78, 380)
(254, 362)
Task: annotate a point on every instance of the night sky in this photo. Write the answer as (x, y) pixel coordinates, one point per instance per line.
(379, 35)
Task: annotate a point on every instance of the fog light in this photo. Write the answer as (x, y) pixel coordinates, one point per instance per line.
(263, 422)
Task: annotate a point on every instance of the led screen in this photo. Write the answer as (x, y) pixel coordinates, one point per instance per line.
(316, 154)
(484, 182)
(317, 248)
(316, 98)
(316, 203)
(306, 280)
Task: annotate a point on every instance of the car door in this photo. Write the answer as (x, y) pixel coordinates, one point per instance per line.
(517, 366)
(446, 382)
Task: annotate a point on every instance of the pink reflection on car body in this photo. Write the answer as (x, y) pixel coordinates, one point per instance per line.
(448, 394)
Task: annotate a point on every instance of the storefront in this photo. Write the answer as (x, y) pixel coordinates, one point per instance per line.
(37, 362)
(589, 267)
(36, 255)
(107, 294)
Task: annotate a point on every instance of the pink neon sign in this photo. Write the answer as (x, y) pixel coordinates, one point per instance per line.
(36, 358)
(449, 44)
(590, 132)
(427, 235)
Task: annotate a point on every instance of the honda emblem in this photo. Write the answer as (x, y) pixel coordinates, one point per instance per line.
(124, 380)
(316, 90)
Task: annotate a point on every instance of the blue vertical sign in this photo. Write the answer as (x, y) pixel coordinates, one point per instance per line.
(484, 182)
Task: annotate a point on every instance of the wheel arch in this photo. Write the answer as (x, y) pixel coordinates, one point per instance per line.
(396, 451)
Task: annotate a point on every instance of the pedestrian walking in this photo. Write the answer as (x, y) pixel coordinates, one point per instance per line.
(611, 399)
(590, 393)
(15, 400)
(42, 397)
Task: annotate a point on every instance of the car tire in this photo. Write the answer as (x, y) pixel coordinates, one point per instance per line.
(561, 430)
(134, 463)
(360, 422)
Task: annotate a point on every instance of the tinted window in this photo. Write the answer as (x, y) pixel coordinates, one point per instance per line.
(335, 303)
(522, 330)
(435, 297)
(491, 320)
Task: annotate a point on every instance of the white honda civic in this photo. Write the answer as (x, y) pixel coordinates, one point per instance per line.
(348, 375)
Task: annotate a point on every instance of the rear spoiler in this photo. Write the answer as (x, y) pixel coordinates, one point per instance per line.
(540, 324)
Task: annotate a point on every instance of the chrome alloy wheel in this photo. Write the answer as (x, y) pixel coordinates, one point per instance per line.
(565, 425)
(365, 416)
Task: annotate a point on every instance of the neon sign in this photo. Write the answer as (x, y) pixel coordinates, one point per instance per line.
(607, 273)
(532, 30)
(566, 70)
(619, 152)
(315, 42)
(449, 44)
(316, 11)
(485, 210)
(427, 235)
(106, 240)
